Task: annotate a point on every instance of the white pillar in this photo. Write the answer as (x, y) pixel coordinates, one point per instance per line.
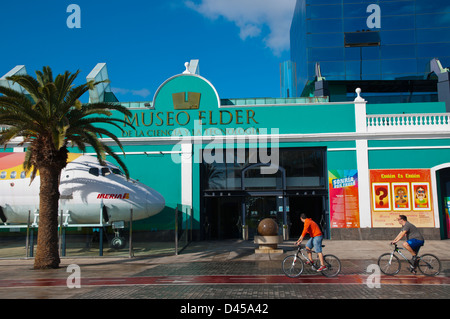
(362, 160)
(186, 174)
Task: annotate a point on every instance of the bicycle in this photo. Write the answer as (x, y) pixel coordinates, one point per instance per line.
(428, 264)
(293, 265)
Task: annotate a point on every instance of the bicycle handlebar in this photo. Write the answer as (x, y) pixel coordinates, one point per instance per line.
(396, 246)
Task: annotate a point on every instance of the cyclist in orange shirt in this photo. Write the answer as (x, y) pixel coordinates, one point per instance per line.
(310, 227)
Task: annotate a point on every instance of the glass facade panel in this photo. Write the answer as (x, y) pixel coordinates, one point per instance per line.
(325, 40)
(395, 8)
(434, 50)
(440, 20)
(324, 25)
(412, 32)
(333, 68)
(399, 66)
(427, 6)
(397, 37)
(324, 12)
(353, 67)
(366, 53)
(398, 22)
(371, 67)
(433, 35)
(355, 24)
(351, 11)
(398, 51)
(288, 80)
(326, 54)
(323, 2)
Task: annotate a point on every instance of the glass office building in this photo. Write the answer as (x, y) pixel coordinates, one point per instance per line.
(371, 40)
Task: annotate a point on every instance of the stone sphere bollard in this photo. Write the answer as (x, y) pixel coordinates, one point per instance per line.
(268, 227)
(268, 238)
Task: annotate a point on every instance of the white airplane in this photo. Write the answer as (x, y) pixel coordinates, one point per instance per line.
(91, 194)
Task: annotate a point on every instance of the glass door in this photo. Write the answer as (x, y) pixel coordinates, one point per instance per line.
(258, 208)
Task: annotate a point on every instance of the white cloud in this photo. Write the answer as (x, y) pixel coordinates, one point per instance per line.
(252, 16)
(143, 92)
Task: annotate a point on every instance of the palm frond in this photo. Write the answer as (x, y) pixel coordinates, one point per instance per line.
(54, 117)
(30, 84)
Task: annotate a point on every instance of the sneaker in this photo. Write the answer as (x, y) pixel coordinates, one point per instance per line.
(322, 268)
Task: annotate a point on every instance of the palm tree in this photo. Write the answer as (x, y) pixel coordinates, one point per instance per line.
(49, 117)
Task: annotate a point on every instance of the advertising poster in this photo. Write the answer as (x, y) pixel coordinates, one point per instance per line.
(401, 192)
(382, 196)
(344, 208)
(402, 200)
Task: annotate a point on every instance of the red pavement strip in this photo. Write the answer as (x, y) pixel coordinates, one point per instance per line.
(229, 279)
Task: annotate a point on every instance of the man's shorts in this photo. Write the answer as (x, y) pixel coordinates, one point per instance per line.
(415, 244)
(317, 242)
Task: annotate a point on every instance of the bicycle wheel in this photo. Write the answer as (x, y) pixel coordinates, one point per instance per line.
(292, 266)
(333, 266)
(429, 265)
(389, 264)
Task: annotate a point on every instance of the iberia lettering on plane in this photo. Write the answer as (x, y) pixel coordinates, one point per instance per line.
(114, 196)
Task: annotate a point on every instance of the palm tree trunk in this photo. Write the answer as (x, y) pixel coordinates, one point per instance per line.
(47, 254)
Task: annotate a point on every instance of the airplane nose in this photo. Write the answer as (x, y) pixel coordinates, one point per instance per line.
(155, 203)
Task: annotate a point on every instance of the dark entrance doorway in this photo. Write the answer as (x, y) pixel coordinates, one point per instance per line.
(443, 179)
(223, 217)
(312, 206)
(236, 194)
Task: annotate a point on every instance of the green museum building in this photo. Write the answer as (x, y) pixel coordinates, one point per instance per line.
(352, 166)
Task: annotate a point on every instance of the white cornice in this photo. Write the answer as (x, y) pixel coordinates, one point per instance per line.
(282, 138)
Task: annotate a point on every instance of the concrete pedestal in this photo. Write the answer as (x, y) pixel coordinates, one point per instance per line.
(268, 244)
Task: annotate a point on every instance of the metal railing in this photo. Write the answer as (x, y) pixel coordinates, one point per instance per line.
(131, 238)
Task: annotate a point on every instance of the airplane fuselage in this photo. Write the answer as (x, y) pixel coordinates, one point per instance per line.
(89, 193)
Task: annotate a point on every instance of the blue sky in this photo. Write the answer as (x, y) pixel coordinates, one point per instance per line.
(240, 43)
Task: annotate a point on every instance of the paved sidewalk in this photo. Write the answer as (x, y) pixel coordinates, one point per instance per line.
(165, 276)
(344, 249)
(227, 250)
